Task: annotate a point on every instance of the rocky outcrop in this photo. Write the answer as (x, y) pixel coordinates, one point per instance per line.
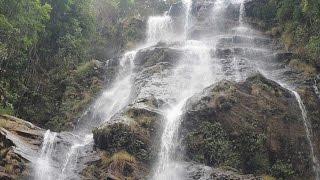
(311, 100)
(19, 141)
(254, 126)
(131, 137)
(159, 54)
(198, 172)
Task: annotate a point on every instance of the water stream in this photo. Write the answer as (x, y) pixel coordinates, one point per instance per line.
(309, 134)
(188, 11)
(80, 141)
(44, 167)
(242, 12)
(195, 65)
(159, 28)
(225, 49)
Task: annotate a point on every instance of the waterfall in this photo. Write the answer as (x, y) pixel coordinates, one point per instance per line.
(71, 159)
(198, 68)
(43, 165)
(115, 98)
(308, 129)
(108, 104)
(188, 7)
(195, 64)
(242, 12)
(219, 8)
(159, 28)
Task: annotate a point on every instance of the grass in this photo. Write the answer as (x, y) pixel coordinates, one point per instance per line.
(3, 123)
(83, 68)
(307, 69)
(287, 38)
(6, 110)
(122, 156)
(266, 177)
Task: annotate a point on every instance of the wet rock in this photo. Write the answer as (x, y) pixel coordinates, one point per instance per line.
(252, 126)
(201, 172)
(150, 89)
(232, 12)
(312, 104)
(19, 141)
(151, 56)
(119, 165)
(176, 10)
(134, 132)
(283, 56)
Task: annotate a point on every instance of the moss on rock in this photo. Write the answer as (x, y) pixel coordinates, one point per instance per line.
(250, 126)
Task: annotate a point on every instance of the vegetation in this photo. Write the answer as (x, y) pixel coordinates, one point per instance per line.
(210, 145)
(47, 72)
(296, 22)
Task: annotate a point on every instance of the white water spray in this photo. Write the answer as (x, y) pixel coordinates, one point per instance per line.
(109, 103)
(159, 29)
(188, 7)
(219, 8)
(71, 160)
(242, 12)
(114, 99)
(194, 73)
(308, 129)
(43, 166)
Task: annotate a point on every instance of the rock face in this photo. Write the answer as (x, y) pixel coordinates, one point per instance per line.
(19, 141)
(198, 172)
(130, 141)
(254, 126)
(311, 100)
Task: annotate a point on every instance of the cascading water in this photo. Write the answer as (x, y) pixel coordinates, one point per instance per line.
(159, 28)
(308, 129)
(70, 164)
(188, 7)
(194, 72)
(200, 66)
(44, 169)
(242, 12)
(194, 65)
(110, 102)
(274, 76)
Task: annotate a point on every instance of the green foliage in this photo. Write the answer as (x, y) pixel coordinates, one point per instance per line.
(46, 51)
(265, 11)
(282, 170)
(22, 21)
(210, 145)
(6, 110)
(299, 22)
(299, 65)
(252, 148)
(41, 41)
(313, 48)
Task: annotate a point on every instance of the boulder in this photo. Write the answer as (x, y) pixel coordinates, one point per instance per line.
(199, 172)
(19, 142)
(151, 56)
(254, 126)
(134, 137)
